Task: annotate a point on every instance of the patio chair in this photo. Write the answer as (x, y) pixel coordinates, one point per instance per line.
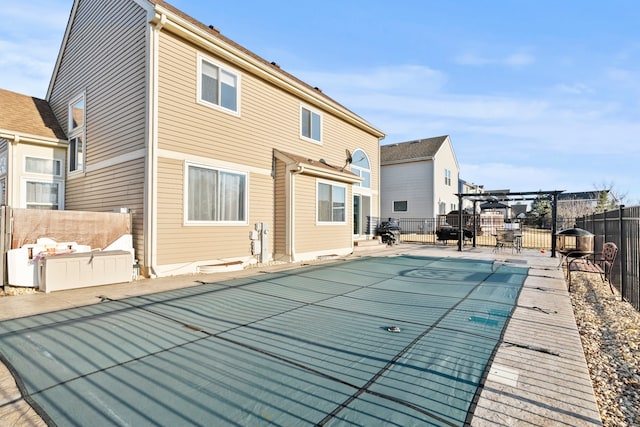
(508, 238)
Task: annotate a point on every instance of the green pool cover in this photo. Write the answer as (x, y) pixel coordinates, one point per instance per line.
(316, 345)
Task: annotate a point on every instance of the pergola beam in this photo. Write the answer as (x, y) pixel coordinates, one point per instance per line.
(508, 196)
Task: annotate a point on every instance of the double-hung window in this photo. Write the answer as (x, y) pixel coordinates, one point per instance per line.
(310, 124)
(215, 196)
(77, 144)
(447, 177)
(43, 195)
(331, 203)
(218, 86)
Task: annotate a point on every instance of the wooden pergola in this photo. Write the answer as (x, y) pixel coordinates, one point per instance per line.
(508, 196)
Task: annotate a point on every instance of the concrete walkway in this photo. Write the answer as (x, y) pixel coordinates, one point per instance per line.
(539, 375)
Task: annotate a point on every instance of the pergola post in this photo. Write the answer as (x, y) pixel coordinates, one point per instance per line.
(460, 229)
(554, 217)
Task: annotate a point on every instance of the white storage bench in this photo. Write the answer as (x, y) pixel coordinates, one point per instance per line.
(82, 270)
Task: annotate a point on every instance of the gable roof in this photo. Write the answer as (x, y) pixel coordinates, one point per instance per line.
(26, 116)
(420, 149)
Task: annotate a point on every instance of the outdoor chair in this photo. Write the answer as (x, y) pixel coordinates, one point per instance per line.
(507, 238)
(602, 265)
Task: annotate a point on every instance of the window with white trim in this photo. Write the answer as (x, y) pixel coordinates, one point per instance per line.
(43, 195)
(218, 86)
(361, 167)
(76, 132)
(331, 203)
(447, 177)
(310, 124)
(51, 167)
(215, 195)
(400, 206)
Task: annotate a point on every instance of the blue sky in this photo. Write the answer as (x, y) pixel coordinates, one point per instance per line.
(536, 95)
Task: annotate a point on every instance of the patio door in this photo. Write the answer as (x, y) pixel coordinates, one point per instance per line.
(361, 213)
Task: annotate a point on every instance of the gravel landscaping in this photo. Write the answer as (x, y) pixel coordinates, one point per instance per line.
(610, 333)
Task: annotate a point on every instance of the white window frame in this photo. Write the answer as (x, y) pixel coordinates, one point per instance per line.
(447, 177)
(221, 67)
(77, 133)
(188, 221)
(23, 191)
(58, 161)
(393, 207)
(311, 111)
(362, 172)
(332, 185)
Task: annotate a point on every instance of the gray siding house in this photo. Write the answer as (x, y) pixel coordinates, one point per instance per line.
(419, 179)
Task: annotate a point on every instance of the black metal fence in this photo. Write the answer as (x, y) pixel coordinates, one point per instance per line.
(622, 227)
(423, 231)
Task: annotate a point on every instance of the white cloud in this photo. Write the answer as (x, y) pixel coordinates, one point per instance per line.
(32, 52)
(471, 59)
(574, 88)
(402, 79)
(516, 59)
(408, 102)
(519, 59)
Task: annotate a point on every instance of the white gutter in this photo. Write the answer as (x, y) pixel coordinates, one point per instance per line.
(33, 139)
(335, 176)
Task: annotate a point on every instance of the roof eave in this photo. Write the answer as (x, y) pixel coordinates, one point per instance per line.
(20, 137)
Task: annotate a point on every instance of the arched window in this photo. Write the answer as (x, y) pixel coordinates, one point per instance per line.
(360, 166)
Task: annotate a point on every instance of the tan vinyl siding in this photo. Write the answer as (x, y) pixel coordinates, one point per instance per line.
(268, 118)
(118, 186)
(105, 58)
(311, 237)
(179, 243)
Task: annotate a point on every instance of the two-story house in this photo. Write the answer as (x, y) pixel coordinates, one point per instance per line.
(419, 179)
(207, 143)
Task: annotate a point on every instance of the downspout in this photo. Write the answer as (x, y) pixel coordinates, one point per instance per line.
(151, 160)
(11, 167)
(291, 210)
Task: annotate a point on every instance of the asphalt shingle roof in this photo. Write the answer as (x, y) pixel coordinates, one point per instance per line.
(420, 148)
(24, 114)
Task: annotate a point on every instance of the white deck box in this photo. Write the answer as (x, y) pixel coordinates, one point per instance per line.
(81, 270)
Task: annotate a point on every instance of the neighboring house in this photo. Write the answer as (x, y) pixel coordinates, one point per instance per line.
(590, 199)
(573, 205)
(465, 187)
(419, 179)
(32, 153)
(209, 145)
